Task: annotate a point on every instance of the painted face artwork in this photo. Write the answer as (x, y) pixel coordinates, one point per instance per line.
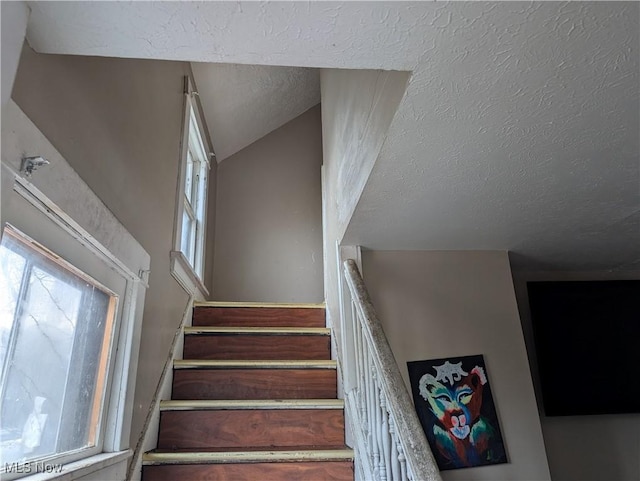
(456, 409)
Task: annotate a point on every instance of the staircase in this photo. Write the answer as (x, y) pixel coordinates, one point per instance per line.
(253, 399)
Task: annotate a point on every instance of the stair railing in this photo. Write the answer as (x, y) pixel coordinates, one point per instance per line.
(389, 442)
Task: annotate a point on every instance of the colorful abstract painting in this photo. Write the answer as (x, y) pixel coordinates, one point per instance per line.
(455, 406)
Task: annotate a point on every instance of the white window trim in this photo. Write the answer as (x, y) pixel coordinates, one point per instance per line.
(83, 467)
(181, 268)
(186, 277)
(119, 395)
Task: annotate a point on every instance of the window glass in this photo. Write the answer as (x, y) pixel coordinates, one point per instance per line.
(195, 192)
(56, 331)
(188, 236)
(188, 183)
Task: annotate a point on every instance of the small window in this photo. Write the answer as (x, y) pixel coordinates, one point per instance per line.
(56, 330)
(192, 200)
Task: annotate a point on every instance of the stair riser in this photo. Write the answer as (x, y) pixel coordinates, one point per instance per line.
(254, 347)
(316, 471)
(255, 428)
(254, 384)
(262, 317)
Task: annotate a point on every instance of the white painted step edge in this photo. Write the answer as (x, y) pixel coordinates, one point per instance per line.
(199, 405)
(259, 331)
(217, 364)
(247, 456)
(277, 305)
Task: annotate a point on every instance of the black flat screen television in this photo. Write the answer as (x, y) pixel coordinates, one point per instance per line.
(587, 338)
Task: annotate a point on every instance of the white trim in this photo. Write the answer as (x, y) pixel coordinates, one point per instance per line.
(81, 468)
(123, 365)
(182, 272)
(230, 457)
(276, 305)
(40, 201)
(250, 404)
(184, 202)
(96, 228)
(150, 429)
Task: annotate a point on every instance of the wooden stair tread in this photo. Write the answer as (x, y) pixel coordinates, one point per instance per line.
(264, 315)
(262, 471)
(239, 428)
(237, 404)
(254, 384)
(257, 347)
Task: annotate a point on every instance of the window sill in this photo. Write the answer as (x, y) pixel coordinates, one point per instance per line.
(83, 467)
(182, 271)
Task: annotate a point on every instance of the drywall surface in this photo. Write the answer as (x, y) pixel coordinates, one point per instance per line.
(519, 129)
(357, 109)
(582, 448)
(14, 16)
(118, 123)
(243, 103)
(62, 185)
(436, 304)
(269, 217)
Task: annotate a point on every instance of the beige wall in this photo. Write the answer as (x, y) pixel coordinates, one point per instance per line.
(582, 448)
(118, 123)
(436, 304)
(14, 16)
(269, 217)
(357, 109)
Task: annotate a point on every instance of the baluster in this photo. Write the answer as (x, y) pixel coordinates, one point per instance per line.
(366, 393)
(410, 474)
(378, 458)
(395, 462)
(357, 353)
(353, 346)
(363, 350)
(403, 463)
(371, 413)
(384, 439)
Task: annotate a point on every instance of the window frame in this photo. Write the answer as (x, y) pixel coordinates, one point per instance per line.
(60, 268)
(188, 265)
(117, 408)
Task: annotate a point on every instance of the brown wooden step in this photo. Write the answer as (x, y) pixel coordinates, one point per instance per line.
(252, 346)
(254, 384)
(210, 314)
(290, 471)
(259, 428)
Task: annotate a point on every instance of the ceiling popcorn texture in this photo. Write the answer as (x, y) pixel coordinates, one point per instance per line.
(519, 128)
(243, 103)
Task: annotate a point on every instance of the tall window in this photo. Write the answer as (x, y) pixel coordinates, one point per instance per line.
(194, 197)
(188, 257)
(56, 329)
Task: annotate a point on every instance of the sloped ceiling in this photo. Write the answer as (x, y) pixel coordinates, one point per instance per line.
(518, 130)
(243, 103)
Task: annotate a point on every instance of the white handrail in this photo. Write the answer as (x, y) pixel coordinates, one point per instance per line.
(390, 444)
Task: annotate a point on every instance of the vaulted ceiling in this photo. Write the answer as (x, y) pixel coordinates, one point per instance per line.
(518, 130)
(243, 103)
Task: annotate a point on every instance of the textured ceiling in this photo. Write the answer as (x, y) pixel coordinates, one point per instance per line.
(243, 103)
(518, 130)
